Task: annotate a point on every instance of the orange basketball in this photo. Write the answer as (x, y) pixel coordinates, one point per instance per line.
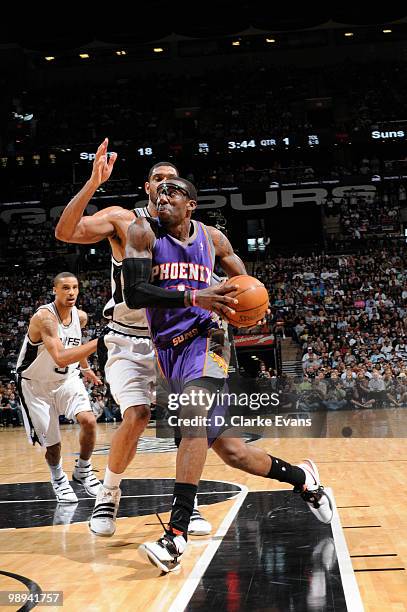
(253, 301)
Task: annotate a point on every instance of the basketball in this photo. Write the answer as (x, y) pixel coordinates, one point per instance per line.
(253, 301)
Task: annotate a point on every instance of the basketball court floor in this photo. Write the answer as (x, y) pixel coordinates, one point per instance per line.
(266, 551)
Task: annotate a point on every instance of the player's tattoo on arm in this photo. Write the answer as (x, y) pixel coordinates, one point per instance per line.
(48, 326)
(228, 259)
(220, 242)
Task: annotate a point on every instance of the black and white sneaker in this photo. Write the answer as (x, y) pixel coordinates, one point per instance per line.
(164, 553)
(103, 519)
(314, 494)
(85, 476)
(63, 490)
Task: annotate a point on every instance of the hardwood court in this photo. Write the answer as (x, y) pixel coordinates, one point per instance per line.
(367, 476)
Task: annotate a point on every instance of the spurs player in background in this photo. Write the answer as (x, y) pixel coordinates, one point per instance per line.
(130, 366)
(49, 385)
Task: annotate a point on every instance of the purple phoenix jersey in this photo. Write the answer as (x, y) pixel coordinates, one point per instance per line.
(191, 343)
(179, 266)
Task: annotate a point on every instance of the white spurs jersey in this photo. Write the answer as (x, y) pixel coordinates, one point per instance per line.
(122, 319)
(35, 362)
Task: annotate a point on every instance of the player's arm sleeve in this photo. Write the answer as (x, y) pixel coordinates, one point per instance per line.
(140, 293)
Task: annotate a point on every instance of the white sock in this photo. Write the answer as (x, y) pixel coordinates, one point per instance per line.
(56, 470)
(196, 502)
(112, 480)
(83, 463)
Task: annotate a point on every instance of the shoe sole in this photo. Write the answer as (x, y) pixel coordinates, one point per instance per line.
(146, 554)
(330, 507)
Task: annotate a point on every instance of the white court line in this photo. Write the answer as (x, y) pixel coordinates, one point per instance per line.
(193, 578)
(8, 528)
(350, 585)
(53, 499)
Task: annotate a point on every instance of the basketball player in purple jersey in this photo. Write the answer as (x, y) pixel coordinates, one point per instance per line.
(167, 270)
(130, 366)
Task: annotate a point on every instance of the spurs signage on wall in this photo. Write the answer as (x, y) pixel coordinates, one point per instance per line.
(33, 211)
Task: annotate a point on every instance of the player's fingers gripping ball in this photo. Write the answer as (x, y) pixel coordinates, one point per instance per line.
(253, 301)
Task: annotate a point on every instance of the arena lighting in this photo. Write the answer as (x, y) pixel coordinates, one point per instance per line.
(84, 55)
(387, 31)
(270, 40)
(49, 58)
(158, 49)
(236, 43)
(348, 34)
(121, 52)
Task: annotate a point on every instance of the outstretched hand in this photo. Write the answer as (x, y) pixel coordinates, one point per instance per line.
(102, 166)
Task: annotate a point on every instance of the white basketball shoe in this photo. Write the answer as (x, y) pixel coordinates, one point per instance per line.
(85, 476)
(63, 490)
(103, 519)
(314, 494)
(164, 553)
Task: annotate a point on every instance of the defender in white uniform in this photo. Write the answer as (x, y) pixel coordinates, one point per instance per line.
(130, 366)
(49, 385)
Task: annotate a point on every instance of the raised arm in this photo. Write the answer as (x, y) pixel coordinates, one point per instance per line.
(72, 225)
(228, 260)
(45, 325)
(140, 293)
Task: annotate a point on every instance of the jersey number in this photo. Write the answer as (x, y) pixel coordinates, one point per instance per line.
(61, 370)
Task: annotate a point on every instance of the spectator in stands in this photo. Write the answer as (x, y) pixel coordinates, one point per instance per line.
(16, 414)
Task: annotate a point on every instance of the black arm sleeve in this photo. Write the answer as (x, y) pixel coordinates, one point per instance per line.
(139, 293)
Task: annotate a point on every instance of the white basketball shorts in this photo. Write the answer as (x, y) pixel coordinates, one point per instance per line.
(43, 402)
(130, 369)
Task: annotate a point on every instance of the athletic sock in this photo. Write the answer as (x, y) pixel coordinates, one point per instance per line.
(285, 472)
(56, 471)
(182, 508)
(83, 463)
(112, 480)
